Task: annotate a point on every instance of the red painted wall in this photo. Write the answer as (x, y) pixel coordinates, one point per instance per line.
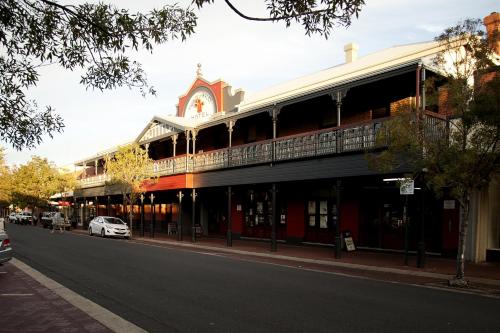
(295, 219)
(171, 182)
(349, 218)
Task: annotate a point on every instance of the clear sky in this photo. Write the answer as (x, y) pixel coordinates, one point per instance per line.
(247, 55)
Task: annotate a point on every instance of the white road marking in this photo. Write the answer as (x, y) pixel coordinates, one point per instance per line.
(16, 294)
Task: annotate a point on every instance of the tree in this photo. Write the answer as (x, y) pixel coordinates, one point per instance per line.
(316, 16)
(461, 156)
(34, 183)
(130, 168)
(97, 38)
(5, 181)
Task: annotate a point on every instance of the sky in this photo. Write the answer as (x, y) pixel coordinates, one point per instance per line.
(248, 55)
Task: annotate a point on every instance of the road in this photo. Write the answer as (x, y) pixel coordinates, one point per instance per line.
(173, 290)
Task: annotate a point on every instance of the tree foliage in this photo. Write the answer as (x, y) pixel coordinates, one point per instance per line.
(93, 37)
(460, 153)
(35, 182)
(97, 38)
(5, 181)
(130, 168)
(316, 16)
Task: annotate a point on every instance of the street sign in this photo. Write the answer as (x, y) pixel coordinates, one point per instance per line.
(407, 187)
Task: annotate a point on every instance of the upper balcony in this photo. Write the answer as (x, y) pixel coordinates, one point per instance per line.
(353, 138)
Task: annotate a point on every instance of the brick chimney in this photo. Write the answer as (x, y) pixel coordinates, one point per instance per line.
(351, 52)
(492, 23)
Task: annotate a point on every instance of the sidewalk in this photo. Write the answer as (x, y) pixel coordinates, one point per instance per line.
(359, 262)
(28, 306)
(33, 302)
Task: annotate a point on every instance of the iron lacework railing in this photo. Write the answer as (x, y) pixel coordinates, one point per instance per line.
(319, 143)
(331, 141)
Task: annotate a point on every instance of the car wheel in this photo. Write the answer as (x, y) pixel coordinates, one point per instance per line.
(90, 232)
(103, 233)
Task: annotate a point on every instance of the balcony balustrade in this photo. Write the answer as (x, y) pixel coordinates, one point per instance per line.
(344, 139)
(94, 180)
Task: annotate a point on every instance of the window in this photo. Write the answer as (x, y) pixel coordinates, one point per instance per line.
(317, 214)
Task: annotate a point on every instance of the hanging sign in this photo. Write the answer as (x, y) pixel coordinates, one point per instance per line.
(407, 187)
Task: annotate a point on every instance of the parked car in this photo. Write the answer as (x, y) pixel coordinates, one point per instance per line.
(25, 218)
(50, 219)
(108, 226)
(12, 217)
(47, 219)
(58, 219)
(5, 247)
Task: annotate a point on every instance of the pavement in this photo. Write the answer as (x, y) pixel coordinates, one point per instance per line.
(31, 302)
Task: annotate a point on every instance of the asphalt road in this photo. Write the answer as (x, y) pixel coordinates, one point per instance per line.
(170, 290)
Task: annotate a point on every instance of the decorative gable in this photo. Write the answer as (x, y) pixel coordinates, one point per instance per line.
(156, 131)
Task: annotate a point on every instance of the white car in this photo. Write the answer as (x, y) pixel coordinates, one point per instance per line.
(108, 226)
(12, 217)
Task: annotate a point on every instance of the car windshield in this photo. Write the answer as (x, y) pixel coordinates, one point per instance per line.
(113, 220)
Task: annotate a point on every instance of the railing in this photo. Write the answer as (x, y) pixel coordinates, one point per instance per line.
(344, 139)
(94, 180)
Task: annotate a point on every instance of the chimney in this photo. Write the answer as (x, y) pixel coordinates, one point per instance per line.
(351, 52)
(492, 23)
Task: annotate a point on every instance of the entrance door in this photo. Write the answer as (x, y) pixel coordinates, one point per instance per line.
(319, 226)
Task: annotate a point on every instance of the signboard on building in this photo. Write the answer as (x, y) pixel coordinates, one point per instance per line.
(407, 187)
(449, 204)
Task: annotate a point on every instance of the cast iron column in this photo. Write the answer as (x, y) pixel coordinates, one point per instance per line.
(193, 224)
(187, 150)
(108, 206)
(336, 217)
(229, 238)
(84, 213)
(179, 221)
(152, 229)
(421, 243)
(142, 214)
(274, 244)
(405, 221)
(96, 206)
(174, 144)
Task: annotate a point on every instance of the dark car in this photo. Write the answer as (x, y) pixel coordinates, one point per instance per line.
(46, 220)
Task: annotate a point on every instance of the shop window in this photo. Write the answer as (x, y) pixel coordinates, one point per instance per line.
(317, 214)
(259, 210)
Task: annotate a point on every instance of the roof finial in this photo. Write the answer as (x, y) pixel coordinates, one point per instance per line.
(198, 71)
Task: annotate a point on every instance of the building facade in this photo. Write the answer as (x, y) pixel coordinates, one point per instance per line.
(288, 164)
